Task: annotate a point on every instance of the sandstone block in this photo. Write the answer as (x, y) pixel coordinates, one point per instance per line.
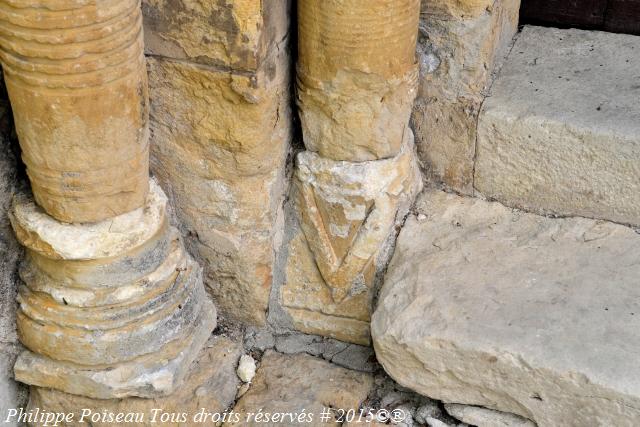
(561, 131)
(483, 417)
(348, 210)
(348, 215)
(515, 312)
(108, 309)
(461, 44)
(219, 147)
(236, 35)
(87, 160)
(289, 384)
(211, 383)
(355, 102)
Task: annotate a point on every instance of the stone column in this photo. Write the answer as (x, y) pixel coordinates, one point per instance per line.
(76, 78)
(112, 305)
(356, 81)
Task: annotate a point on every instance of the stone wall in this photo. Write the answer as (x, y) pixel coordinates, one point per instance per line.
(12, 394)
(221, 130)
(461, 44)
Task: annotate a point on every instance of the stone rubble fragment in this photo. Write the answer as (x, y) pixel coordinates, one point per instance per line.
(483, 417)
(246, 368)
(109, 309)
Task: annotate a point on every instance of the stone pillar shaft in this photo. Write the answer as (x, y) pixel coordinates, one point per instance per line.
(112, 305)
(356, 81)
(76, 78)
(356, 75)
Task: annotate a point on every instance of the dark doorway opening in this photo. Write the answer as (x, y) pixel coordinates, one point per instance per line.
(618, 16)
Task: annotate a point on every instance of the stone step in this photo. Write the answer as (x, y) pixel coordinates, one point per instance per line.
(560, 131)
(485, 305)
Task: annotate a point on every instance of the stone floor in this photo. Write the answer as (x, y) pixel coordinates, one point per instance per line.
(298, 379)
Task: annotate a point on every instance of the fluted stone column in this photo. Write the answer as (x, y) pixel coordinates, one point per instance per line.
(356, 82)
(112, 305)
(76, 78)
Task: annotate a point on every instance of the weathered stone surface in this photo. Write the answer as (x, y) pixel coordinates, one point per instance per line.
(349, 213)
(354, 102)
(461, 44)
(211, 384)
(561, 131)
(125, 233)
(219, 146)
(289, 384)
(236, 35)
(87, 160)
(348, 210)
(12, 395)
(515, 312)
(483, 417)
(108, 309)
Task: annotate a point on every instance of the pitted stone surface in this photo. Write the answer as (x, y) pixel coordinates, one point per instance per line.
(354, 102)
(461, 45)
(124, 315)
(43, 234)
(220, 143)
(487, 306)
(211, 383)
(87, 161)
(290, 383)
(348, 214)
(560, 132)
(483, 417)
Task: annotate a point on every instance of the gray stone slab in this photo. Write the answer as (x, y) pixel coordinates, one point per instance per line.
(560, 132)
(540, 317)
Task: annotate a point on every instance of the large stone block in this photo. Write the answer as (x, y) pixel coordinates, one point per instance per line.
(560, 132)
(211, 384)
(108, 309)
(87, 160)
(461, 44)
(487, 306)
(219, 146)
(230, 34)
(354, 101)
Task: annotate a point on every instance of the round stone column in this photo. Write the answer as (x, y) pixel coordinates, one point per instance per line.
(356, 75)
(76, 78)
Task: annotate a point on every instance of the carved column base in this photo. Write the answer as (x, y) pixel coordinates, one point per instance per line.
(349, 214)
(109, 309)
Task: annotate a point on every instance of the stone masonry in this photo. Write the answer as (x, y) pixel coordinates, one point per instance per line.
(111, 305)
(221, 127)
(359, 175)
(462, 43)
